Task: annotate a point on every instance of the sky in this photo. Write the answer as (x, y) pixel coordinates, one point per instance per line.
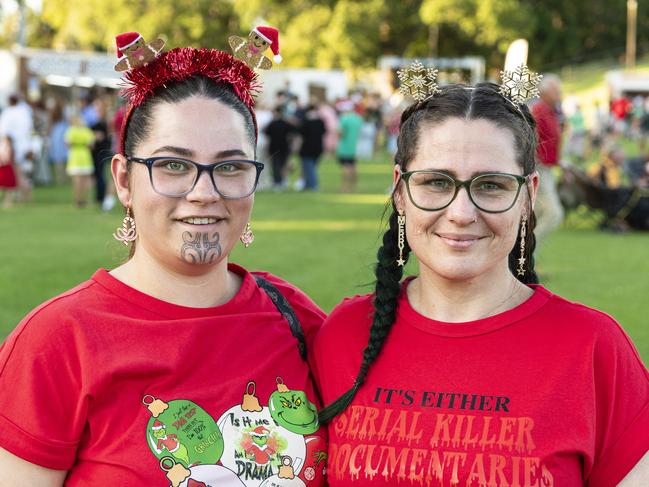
(9, 6)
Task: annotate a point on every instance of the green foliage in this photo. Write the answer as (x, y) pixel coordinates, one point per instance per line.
(349, 34)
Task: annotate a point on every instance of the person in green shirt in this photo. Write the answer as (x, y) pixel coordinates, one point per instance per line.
(349, 129)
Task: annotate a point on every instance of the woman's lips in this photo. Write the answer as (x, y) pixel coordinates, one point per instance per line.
(459, 241)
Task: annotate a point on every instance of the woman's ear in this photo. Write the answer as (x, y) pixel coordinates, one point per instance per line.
(397, 192)
(121, 177)
(533, 187)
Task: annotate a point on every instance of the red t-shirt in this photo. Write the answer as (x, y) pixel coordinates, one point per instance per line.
(550, 393)
(119, 387)
(548, 131)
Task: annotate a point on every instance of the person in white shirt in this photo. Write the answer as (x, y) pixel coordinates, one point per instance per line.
(16, 121)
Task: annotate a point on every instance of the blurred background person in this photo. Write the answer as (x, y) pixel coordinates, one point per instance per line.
(392, 124)
(8, 180)
(16, 121)
(56, 147)
(312, 131)
(329, 116)
(546, 112)
(80, 166)
(102, 152)
(264, 117)
(278, 132)
(367, 137)
(577, 139)
(350, 124)
(608, 172)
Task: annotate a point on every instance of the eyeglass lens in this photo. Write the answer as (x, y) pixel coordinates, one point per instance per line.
(489, 192)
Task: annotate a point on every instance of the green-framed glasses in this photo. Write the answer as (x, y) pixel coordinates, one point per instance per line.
(490, 192)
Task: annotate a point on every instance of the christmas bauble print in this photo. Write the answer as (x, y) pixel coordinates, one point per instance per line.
(199, 475)
(285, 477)
(182, 430)
(315, 460)
(254, 443)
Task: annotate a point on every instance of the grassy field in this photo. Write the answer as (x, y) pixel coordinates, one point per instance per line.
(323, 242)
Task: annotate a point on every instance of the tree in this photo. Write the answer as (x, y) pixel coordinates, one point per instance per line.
(181, 22)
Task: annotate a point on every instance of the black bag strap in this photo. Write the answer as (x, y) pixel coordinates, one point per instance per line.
(284, 307)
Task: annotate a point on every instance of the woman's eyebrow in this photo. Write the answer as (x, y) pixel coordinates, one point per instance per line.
(225, 154)
(184, 152)
(181, 151)
(452, 173)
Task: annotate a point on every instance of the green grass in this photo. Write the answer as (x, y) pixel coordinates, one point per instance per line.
(323, 242)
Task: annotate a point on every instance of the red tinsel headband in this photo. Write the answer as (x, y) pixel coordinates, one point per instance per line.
(184, 62)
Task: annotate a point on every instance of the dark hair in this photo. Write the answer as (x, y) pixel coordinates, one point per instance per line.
(174, 92)
(482, 102)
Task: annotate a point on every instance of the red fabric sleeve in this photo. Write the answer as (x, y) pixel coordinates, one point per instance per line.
(42, 411)
(344, 335)
(622, 408)
(548, 134)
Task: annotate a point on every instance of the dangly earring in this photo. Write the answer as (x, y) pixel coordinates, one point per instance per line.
(520, 271)
(247, 237)
(127, 232)
(401, 237)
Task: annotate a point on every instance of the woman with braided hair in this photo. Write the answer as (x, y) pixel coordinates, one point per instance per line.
(471, 373)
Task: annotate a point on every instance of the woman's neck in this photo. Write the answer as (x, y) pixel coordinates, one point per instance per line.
(200, 290)
(458, 301)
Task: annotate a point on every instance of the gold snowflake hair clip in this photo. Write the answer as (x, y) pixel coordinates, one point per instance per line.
(520, 85)
(418, 81)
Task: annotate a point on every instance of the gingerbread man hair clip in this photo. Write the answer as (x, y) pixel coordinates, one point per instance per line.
(520, 85)
(133, 51)
(251, 50)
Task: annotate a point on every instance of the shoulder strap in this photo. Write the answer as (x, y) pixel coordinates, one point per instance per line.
(284, 307)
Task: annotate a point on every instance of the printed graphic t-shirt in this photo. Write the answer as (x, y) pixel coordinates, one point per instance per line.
(121, 388)
(550, 393)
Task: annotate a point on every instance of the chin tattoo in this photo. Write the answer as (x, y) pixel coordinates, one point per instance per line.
(200, 248)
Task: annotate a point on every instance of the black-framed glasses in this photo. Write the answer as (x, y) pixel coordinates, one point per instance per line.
(490, 192)
(176, 177)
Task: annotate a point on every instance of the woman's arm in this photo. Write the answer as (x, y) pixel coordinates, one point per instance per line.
(639, 475)
(17, 472)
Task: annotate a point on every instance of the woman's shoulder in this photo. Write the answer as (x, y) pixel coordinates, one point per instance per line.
(294, 295)
(586, 324)
(578, 313)
(352, 316)
(50, 327)
(72, 301)
(357, 306)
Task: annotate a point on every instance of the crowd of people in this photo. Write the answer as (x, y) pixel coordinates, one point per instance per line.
(56, 143)
(568, 143)
(64, 143)
(351, 129)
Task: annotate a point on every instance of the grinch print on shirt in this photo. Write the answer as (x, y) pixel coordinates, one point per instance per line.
(258, 438)
(250, 445)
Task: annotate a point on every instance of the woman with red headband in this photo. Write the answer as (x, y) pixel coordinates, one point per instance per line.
(178, 367)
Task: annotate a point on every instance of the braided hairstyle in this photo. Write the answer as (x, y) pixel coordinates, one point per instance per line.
(482, 102)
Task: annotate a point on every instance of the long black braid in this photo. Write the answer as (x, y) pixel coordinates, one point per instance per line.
(481, 102)
(388, 287)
